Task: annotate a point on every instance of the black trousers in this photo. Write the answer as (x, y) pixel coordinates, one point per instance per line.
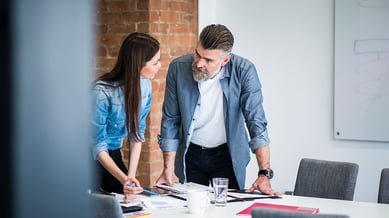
(203, 164)
(106, 181)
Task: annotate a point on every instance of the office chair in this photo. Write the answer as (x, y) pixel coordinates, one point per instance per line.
(273, 213)
(105, 206)
(326, 179)
(383, 191)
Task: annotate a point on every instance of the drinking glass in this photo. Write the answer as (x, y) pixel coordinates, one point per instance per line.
(220, 187)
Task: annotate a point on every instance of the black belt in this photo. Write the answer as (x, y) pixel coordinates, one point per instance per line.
(200, 147)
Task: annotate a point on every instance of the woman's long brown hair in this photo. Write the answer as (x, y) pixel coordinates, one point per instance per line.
(136, 49)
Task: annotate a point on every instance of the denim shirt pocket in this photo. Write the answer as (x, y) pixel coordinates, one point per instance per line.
(115, 127)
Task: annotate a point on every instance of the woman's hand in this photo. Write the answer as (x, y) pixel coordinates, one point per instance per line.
(130, 188)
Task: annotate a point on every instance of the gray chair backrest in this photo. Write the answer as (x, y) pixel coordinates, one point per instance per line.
(326, 179)
(105, 206)
(273, 213)
(383, 191)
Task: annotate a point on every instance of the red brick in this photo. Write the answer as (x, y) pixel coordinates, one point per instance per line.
(100, 51)
(179, 28)
(104, 62)
(159, 4)
(121, 28)
(154, 16)
(120, 6)
(110, 39)
(180, 50)
(142, 27)
(174, 24)
(170, 17)
(157, 26)
(100, 29)
(182, 6)
(101, 6)
(142, 5)
(135, 16)
(155, 85)
(113, 51)
(108, 18)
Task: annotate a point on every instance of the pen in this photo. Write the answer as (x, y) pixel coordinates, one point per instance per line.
(253, 198)
(135, 214)
(138, 215)
(176, 196)
(236, 198)
(144, 190)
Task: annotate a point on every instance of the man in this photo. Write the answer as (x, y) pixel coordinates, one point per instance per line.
(211, 97)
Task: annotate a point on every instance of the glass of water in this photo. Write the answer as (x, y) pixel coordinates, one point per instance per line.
(220, 187)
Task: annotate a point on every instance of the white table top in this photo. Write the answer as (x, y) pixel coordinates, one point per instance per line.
(354, 209)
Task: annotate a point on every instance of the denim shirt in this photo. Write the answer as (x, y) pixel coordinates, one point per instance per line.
(242, 107)
(109, 116)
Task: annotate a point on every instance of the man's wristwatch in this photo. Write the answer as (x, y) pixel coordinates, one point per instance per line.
(268, 173)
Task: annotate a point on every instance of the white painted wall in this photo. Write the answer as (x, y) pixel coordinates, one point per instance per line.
(291, 43)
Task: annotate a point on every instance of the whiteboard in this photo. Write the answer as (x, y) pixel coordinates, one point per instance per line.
(361, 70)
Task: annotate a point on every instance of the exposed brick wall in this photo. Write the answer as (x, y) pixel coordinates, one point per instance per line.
(175, 24)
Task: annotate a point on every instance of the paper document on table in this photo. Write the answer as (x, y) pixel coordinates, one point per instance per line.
(162, 202)
(130, 203)
(182, 188)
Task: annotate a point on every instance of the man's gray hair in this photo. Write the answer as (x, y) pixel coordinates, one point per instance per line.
(217, 36)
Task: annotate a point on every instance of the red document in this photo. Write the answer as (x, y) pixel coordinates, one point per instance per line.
(247, 211)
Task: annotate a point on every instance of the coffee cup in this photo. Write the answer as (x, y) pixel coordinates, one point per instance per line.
(198, 201)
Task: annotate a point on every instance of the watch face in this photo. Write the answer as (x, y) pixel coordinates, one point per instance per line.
(270, 175)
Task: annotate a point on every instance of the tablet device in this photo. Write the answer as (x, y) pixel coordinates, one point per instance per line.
(131, 209)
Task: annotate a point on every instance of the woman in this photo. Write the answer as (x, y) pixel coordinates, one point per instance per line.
(122, 100)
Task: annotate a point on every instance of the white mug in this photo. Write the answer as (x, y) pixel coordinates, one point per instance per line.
(198, 201)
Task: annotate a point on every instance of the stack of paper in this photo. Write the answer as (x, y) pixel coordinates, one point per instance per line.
(182, 188)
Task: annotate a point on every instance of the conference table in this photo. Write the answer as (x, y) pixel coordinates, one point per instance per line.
(354, 209)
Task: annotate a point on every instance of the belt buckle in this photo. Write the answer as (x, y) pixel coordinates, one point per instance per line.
(203, 148)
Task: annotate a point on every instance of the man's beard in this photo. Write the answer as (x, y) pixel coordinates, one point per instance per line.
(202, 75)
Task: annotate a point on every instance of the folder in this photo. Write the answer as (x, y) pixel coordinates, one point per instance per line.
(247, 211)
